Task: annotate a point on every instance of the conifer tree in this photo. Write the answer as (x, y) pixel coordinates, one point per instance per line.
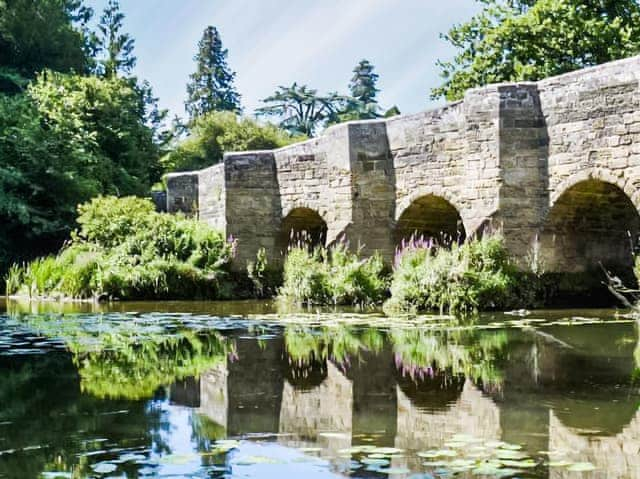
(363, 104)
(211, 87)
(115, 47)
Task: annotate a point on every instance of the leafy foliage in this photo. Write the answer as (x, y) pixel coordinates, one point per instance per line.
(300, 109)
(518, 40)
(69, 138)
(39, 34)
(124, 249)
(211, 86)
(216, 133)
(476, 275)
(332, 276)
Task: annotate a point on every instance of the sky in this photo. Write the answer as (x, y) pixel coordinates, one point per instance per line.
(313, 42)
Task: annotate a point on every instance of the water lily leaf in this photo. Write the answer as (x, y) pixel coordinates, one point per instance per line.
(387, 450)
(251, 460)
(104, 468)
(394, 470)
(581, 467)
(506, 454)
(559, 463)
(374, 462)
(494, 444)
(178, 459)
(527, 463)
(511, 447)
(310, 449)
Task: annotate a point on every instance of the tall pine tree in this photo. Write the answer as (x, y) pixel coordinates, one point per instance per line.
(211, 87)
(363, 83)
(363, 104)
(115, 47)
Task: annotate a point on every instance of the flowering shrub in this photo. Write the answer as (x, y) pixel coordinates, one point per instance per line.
(473, 276)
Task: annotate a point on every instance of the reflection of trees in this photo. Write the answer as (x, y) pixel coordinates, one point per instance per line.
(421, 354)
(126, 359)
(340, 344)
(42, 407)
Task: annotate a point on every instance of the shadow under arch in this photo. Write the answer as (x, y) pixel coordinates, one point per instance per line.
(591, 222)
(302, 224)
(430, 216)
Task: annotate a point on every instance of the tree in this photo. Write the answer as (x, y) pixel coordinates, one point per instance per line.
(38, 34)
(216, 133)
(362, 104)
(301, 110)
(115, 47)
(211, 87)
(519, 40)
(64, 141)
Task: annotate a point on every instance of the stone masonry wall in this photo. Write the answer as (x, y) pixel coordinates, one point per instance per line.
(507, 157)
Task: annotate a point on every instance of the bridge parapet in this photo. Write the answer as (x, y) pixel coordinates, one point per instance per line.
(554, 165)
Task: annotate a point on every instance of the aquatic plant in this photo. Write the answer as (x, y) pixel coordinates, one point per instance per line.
(124, 249)
(476, 275)
(332, 275)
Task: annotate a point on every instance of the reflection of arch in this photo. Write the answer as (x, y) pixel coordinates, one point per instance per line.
(305, 375)
(302, 223)
(435, 392)
(326, 408)
(615, 456)
(591, 220)
(429, 215)
(472, 413)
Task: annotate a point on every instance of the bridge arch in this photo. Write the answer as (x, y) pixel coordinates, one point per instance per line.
(592, 219)
(302, 223)
(429, 213)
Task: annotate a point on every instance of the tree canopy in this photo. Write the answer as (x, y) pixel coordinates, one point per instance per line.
(211, 87)
(300, 109)
(67, 135)
(215, 133)
(38, 34)
(519, 40)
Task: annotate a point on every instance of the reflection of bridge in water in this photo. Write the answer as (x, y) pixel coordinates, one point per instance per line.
(371, 402)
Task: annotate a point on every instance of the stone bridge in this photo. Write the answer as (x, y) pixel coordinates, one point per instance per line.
(554, 165)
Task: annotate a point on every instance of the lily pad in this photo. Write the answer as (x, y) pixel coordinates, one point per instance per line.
(104, 468)
(581, 467)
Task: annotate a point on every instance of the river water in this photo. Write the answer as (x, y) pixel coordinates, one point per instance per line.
(208, 390)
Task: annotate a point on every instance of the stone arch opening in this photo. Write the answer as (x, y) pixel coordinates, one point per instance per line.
(302, 225)
(430, 216)
(592, 222)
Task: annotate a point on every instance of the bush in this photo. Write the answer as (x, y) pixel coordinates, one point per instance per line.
(476, 275)
(217, 133)
(124, 249)
(332, 276)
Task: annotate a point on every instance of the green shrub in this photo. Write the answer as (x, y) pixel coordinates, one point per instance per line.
(124, 249)
(476, 275)
(332, 276)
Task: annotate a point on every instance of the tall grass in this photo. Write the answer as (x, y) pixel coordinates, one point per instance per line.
(124, 249)
(333, 276)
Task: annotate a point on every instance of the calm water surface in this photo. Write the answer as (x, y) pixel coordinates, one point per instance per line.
(202, 390)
